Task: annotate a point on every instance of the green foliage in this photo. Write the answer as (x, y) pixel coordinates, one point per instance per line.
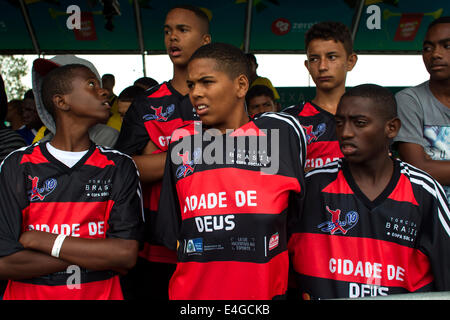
(13, 68)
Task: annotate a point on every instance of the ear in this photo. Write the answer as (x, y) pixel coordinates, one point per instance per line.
(206, 39)
(351, 61)
(392, 127)
(307, 65)
(242, 85)
(60, 103)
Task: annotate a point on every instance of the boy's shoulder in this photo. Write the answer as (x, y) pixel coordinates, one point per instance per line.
(190, 129)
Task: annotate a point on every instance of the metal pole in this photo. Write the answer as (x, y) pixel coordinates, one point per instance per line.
(248, 25)
(26, 16)
(137, 13)
(357, 18)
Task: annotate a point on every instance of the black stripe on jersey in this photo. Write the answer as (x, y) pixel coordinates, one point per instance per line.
(297, 128)
(240, 243)
(63, 278)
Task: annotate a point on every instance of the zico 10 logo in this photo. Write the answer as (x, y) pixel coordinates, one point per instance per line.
(336, 225)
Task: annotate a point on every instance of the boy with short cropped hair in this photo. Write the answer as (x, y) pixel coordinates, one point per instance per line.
(329, 51)
(70, 211)
(372, 225)
(226, 199)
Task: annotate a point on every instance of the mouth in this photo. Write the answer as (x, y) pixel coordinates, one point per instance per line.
(438, 66)
(106, 104)
(348, 149)
(325, 78)
(174, 51)
(201, 109)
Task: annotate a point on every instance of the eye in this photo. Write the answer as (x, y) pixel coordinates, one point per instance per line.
(360, 123)
(91, 84)
(426, 49)
(190, 85)
(314, 59)
(332, 57)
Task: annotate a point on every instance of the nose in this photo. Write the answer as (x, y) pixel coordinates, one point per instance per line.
(345, 131)
(323, 64)
(103, 92)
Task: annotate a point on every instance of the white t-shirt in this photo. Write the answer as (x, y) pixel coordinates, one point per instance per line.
(69, 158)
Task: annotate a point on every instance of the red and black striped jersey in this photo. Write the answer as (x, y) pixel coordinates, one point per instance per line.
(153, 117)
(347, 246)
(225, 204)
(320, 129)
(99, 197)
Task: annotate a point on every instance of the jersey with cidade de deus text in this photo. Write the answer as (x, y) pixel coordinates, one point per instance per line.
(225, 204)
(347, 246)
(99, 197)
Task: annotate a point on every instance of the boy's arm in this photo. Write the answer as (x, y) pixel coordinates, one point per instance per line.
(27, 264)
(93, 254)
(150, 165)
(415, 155)
(410, 140)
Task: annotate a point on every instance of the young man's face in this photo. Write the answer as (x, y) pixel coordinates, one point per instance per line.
(363, 133)
(260, 104)
(87, 99)
(436, 51)
(328, 63)
(217, 98)
(183, 34)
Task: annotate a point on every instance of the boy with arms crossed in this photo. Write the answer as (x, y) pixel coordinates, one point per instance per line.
(68, 202)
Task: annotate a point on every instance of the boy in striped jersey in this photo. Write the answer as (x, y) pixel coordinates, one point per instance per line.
(372, 225)
(330, 56)
(226, 199)
(70, 211)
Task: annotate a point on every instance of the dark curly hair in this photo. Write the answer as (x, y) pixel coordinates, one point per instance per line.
(330, 30)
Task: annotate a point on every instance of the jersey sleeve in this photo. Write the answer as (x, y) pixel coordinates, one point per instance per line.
(411, 116)
(13, 200)
(133, 135)
(434, 240)
(168, 218)
(126, 217)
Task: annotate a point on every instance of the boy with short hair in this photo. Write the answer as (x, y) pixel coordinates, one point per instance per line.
(70, 211)
(424, 139)
(372, 225)
(226, 199)
(260, 99)
(145, 131)
(329, 50)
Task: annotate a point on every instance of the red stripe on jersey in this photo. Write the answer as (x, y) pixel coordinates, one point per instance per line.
(308, 110)
(361, 260)
(403, 191)
(97, 159)
(338, 186)
(230, 280)
(249, 129)
(203, 193)
(35, 157)
(159, 254)
(162, 91)
(319, 153)
(161, 131)
(78, 219)
(98, 290)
